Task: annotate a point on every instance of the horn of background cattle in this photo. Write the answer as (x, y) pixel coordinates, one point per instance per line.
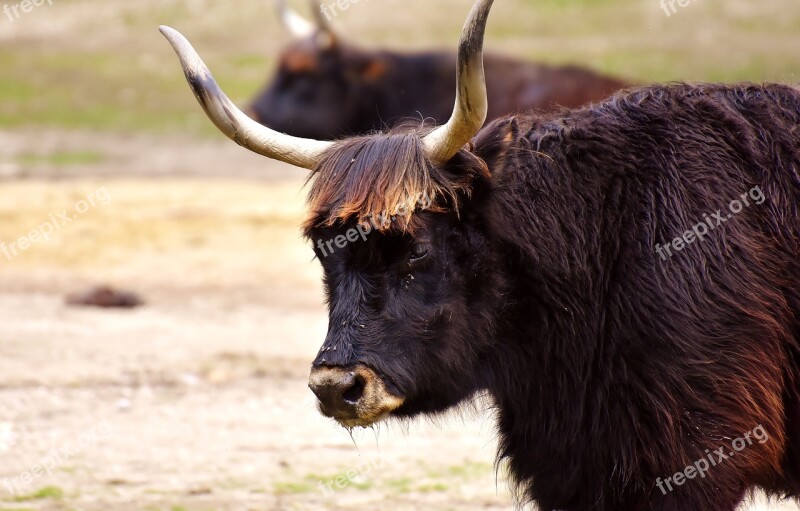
(294, 23)
(233, 122)
(322, 20)
(471, 106)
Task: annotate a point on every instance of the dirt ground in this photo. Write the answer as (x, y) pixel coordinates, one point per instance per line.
(197, 401)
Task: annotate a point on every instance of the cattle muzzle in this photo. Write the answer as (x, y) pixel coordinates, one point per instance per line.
(354, 396)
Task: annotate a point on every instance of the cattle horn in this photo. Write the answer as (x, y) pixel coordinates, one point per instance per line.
(322, 20)
(294, 23)
(471, 106)
(233, 122)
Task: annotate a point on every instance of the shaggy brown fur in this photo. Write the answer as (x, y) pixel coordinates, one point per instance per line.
(370, 179)
(540, 285)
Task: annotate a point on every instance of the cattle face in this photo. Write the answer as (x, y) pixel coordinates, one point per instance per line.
(365, 369)
(522, 261)
(319, 90)
(410, 302)
(322, 86)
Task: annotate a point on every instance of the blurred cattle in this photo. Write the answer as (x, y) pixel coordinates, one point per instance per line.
(327, 88)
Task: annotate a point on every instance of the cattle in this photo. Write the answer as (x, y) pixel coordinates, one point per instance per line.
(327, 88)
(522, 262)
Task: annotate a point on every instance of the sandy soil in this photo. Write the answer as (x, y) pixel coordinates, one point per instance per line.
(199, 399)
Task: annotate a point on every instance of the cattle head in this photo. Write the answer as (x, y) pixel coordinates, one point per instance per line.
(406, 259)
(321, 86)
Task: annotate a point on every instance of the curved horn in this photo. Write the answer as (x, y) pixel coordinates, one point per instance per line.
(471, 106)
(294, 23)
(322, 20)
(233, 122)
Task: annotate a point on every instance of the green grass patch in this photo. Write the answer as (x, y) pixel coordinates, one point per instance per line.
(433, 488)
(366, 484)
(470, 470)
(401, 485)
(61, 159)
(98, 91)
(45, 493)
(292, 488)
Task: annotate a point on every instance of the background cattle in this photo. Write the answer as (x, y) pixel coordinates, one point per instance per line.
(622, 380)
(326, 88)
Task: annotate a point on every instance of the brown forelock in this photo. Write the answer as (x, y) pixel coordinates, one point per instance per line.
(386, 176)
(374, 70)
(300, 59)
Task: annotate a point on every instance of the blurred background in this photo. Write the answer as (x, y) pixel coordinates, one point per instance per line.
(197, 400)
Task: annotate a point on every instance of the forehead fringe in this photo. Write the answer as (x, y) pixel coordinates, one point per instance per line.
(381, 179)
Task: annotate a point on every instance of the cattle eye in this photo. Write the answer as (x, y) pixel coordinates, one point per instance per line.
(418, 253)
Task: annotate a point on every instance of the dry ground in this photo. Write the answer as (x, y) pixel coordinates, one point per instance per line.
(204, 390)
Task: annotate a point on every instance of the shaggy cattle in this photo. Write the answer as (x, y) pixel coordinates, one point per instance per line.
(623, 380)
(325, 88)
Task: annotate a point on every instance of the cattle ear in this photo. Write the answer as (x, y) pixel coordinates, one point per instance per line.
(373, 70)
(366, 69)
(494, 143)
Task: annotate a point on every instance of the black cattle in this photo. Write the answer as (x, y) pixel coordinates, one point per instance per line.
(326, 88)
(623, 280)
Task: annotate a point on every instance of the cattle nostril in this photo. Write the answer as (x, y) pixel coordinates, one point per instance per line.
(337, 389)
(355, 392)
(352, 395)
